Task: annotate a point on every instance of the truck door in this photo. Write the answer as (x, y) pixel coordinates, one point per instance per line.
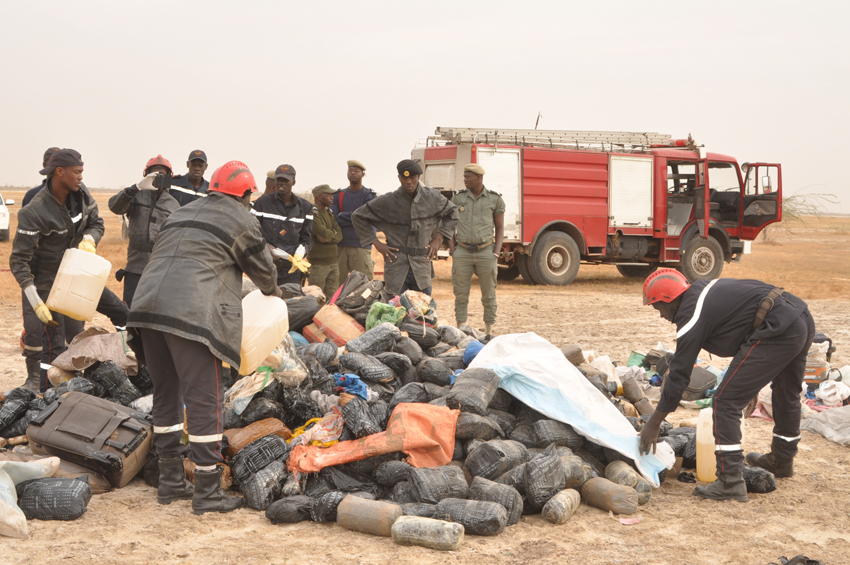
(762, 198)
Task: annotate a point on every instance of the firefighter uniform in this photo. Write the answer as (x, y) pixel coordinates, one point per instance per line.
(188, 311)
(285, 226)
(46, 229)
(718, 316)
(475, 251)
(146, 211)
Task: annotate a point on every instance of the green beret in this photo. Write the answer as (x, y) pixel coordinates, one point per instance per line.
(356, 163)
(408, 168)
(323, 189)
(474, 168)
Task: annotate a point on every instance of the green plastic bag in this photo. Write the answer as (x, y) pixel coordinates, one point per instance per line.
(380, 313)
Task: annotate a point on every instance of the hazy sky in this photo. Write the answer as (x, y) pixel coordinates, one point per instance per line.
(313, 84)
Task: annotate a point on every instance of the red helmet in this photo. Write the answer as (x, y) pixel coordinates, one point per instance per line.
(233, 178)
(158, 160)
(664, 285)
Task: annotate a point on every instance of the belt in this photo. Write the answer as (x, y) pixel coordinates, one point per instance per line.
(415, 251)
(766, 305)
(475, 246)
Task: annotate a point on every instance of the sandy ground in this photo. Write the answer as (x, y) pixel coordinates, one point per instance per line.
(809, 513)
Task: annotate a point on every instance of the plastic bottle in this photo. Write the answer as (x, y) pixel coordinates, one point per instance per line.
(265, 323)
(603, 494)
(78, 284)
(706, 461)
(427, 532)
(367, 516)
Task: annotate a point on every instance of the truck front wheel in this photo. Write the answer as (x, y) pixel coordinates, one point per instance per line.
(637, 271)
(556, 259)
(702, 259)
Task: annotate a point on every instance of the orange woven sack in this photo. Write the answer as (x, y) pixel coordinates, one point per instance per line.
(426, 433)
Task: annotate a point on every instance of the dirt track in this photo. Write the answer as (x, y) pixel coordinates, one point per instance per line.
(808, 513)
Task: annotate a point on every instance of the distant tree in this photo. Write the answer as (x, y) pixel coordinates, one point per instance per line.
(797, 207)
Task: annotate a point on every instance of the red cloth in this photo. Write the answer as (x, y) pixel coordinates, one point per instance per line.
(426, 433)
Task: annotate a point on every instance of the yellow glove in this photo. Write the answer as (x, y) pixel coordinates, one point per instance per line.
(43, 313)
(87, 244)
(298, 264)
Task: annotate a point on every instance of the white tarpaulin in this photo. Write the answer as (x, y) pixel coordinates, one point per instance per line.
(833, 424)
(537, 373)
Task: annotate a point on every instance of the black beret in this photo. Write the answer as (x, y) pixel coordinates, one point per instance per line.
(408, 168)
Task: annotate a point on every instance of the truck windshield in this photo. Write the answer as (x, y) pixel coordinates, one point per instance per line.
(723, 177)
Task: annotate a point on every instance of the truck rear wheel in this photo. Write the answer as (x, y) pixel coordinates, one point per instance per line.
(702, 259)
(508, 274)
(556, 259)
(522, 266)
(637, 271)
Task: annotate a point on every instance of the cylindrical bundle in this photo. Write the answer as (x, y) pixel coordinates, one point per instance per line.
(411, 392)
(398, 362)
(632, 390)
(573, 353)
(434, 371)
(470, 445)
(11, 411)
(576, 471)
(544, 476)
(419, 509)
(112, 378)
(502, 400)
(367, 516)
(605, 495)
(366, 366)
(551, 431)
(644, 407)
(479, 517)
(379, 339)
(261, 408)
(53, 498)
(390, 473)
(290, 509)
(473, 426)
(492, 458)
(359, 419)
(433, 484)
(410, 349)
(251, 433)
(562, 506)
(505, 420)
(644, 490)
(482, 489)
(423, 334)
(621, 473)
(257, 455)
(514, 478)
(427, 532)
(262, 487)
(450, 334)
(404, 493)
(524, 434)
(324, 508)
(473, 391)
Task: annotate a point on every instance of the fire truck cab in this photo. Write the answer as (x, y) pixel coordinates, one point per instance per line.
(638, 201)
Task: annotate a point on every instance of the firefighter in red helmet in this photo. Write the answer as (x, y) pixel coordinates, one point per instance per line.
(146, 205)
(768, 333)
(188, 312)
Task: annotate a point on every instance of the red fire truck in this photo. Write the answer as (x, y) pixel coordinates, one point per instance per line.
(638, 201)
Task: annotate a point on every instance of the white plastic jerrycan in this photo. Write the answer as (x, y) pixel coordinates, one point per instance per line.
(78, 284)
(265, 322)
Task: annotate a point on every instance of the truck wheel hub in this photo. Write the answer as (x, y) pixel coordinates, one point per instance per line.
(558, 260)
(703, 261)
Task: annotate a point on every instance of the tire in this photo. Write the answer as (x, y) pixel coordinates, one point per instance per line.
(556, 259)
(508, 274)
(637, 271)
(522, 267)
(702, 259)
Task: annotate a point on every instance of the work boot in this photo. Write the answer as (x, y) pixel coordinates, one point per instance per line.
(209, 497)
(173, 484)
(488, 330)
(781, 468)
(728, 486)
(33, 381)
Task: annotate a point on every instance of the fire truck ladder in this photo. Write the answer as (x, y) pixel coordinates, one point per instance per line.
(588, 140)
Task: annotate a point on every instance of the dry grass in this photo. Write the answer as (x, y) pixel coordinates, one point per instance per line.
(810, 261)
